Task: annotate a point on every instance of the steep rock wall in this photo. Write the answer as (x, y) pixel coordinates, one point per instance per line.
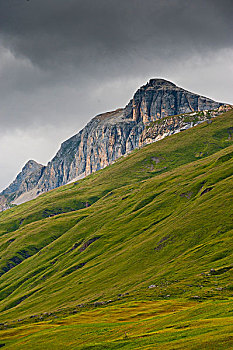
(110, 135)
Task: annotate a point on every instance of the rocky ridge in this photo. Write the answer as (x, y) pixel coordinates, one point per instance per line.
(158, 109)
(25, 181)
(161, 128)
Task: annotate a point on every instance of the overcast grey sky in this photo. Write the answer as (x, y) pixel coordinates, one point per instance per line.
(64, 61)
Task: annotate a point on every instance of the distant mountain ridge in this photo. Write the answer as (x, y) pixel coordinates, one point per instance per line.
(110, 135)
(26, 179)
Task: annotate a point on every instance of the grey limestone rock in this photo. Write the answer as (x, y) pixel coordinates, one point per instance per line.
(25, 181)
(110, 135)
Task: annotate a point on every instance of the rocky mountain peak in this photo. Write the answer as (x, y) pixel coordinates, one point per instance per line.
(160, 83)
(111, 135)
(31, 165)
(25, 180)
(160, 98)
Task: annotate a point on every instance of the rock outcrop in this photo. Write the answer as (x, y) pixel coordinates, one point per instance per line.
(108, 136)
(160, 98)
(25, 181)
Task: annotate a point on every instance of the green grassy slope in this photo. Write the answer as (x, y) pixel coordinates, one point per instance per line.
(132, 325)
(161, 217)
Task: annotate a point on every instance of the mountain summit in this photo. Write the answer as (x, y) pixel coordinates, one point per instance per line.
(160, 98)
(25, 182)
(110, 135)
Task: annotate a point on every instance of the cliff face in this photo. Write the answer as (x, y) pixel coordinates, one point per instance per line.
(160, 98)
(25, 181)
(110, 135)
(106, 138)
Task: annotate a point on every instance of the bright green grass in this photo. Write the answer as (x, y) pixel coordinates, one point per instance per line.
(163, 223)
(132, 325)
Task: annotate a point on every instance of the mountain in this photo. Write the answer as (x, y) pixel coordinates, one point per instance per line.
(135, 256)
(25, 181)
(111, 135)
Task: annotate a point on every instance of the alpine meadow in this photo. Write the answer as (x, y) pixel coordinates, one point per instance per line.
(137, 255)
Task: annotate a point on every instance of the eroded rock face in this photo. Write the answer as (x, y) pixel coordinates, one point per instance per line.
(110, 135)
(157, 130)
(160, 98)
(106, 138)
(25, 181)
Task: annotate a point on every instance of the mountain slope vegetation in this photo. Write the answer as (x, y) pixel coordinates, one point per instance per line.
(144, 246)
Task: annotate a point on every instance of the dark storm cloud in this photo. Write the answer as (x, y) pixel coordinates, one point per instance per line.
(55, 54)
(51, 32)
